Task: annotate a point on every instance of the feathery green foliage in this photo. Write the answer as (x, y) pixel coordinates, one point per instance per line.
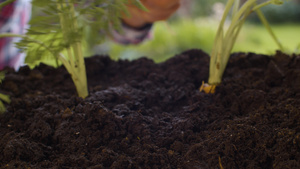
(59, 31)
(94, 18)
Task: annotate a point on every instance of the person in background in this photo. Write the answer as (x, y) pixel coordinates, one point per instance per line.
(13, 19)
(135, 27)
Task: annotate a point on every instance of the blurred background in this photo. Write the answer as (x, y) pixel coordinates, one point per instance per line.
(194, 26)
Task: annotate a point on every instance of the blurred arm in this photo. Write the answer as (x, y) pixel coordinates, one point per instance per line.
(157, 10)
(136, 26)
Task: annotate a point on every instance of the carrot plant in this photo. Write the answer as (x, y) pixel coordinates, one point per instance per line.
(3, 97)
(59, 32)
(225, 40)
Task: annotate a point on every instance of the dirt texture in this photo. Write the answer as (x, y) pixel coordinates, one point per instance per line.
(145, 115)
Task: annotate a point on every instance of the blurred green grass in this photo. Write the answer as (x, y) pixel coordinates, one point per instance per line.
(169, 39)
(173, 38)
(255, 38)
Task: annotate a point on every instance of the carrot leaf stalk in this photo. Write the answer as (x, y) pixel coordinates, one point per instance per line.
(225, 40)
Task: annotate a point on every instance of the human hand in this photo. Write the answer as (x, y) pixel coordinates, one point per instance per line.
(157, 10)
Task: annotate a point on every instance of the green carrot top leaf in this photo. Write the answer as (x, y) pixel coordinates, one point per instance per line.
(95, 18)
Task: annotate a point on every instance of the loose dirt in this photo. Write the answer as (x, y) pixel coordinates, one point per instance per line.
(145, 115)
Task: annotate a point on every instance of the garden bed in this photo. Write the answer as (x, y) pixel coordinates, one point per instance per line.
(145, 115)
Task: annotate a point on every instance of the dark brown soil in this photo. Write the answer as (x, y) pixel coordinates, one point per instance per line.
(145, 115)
